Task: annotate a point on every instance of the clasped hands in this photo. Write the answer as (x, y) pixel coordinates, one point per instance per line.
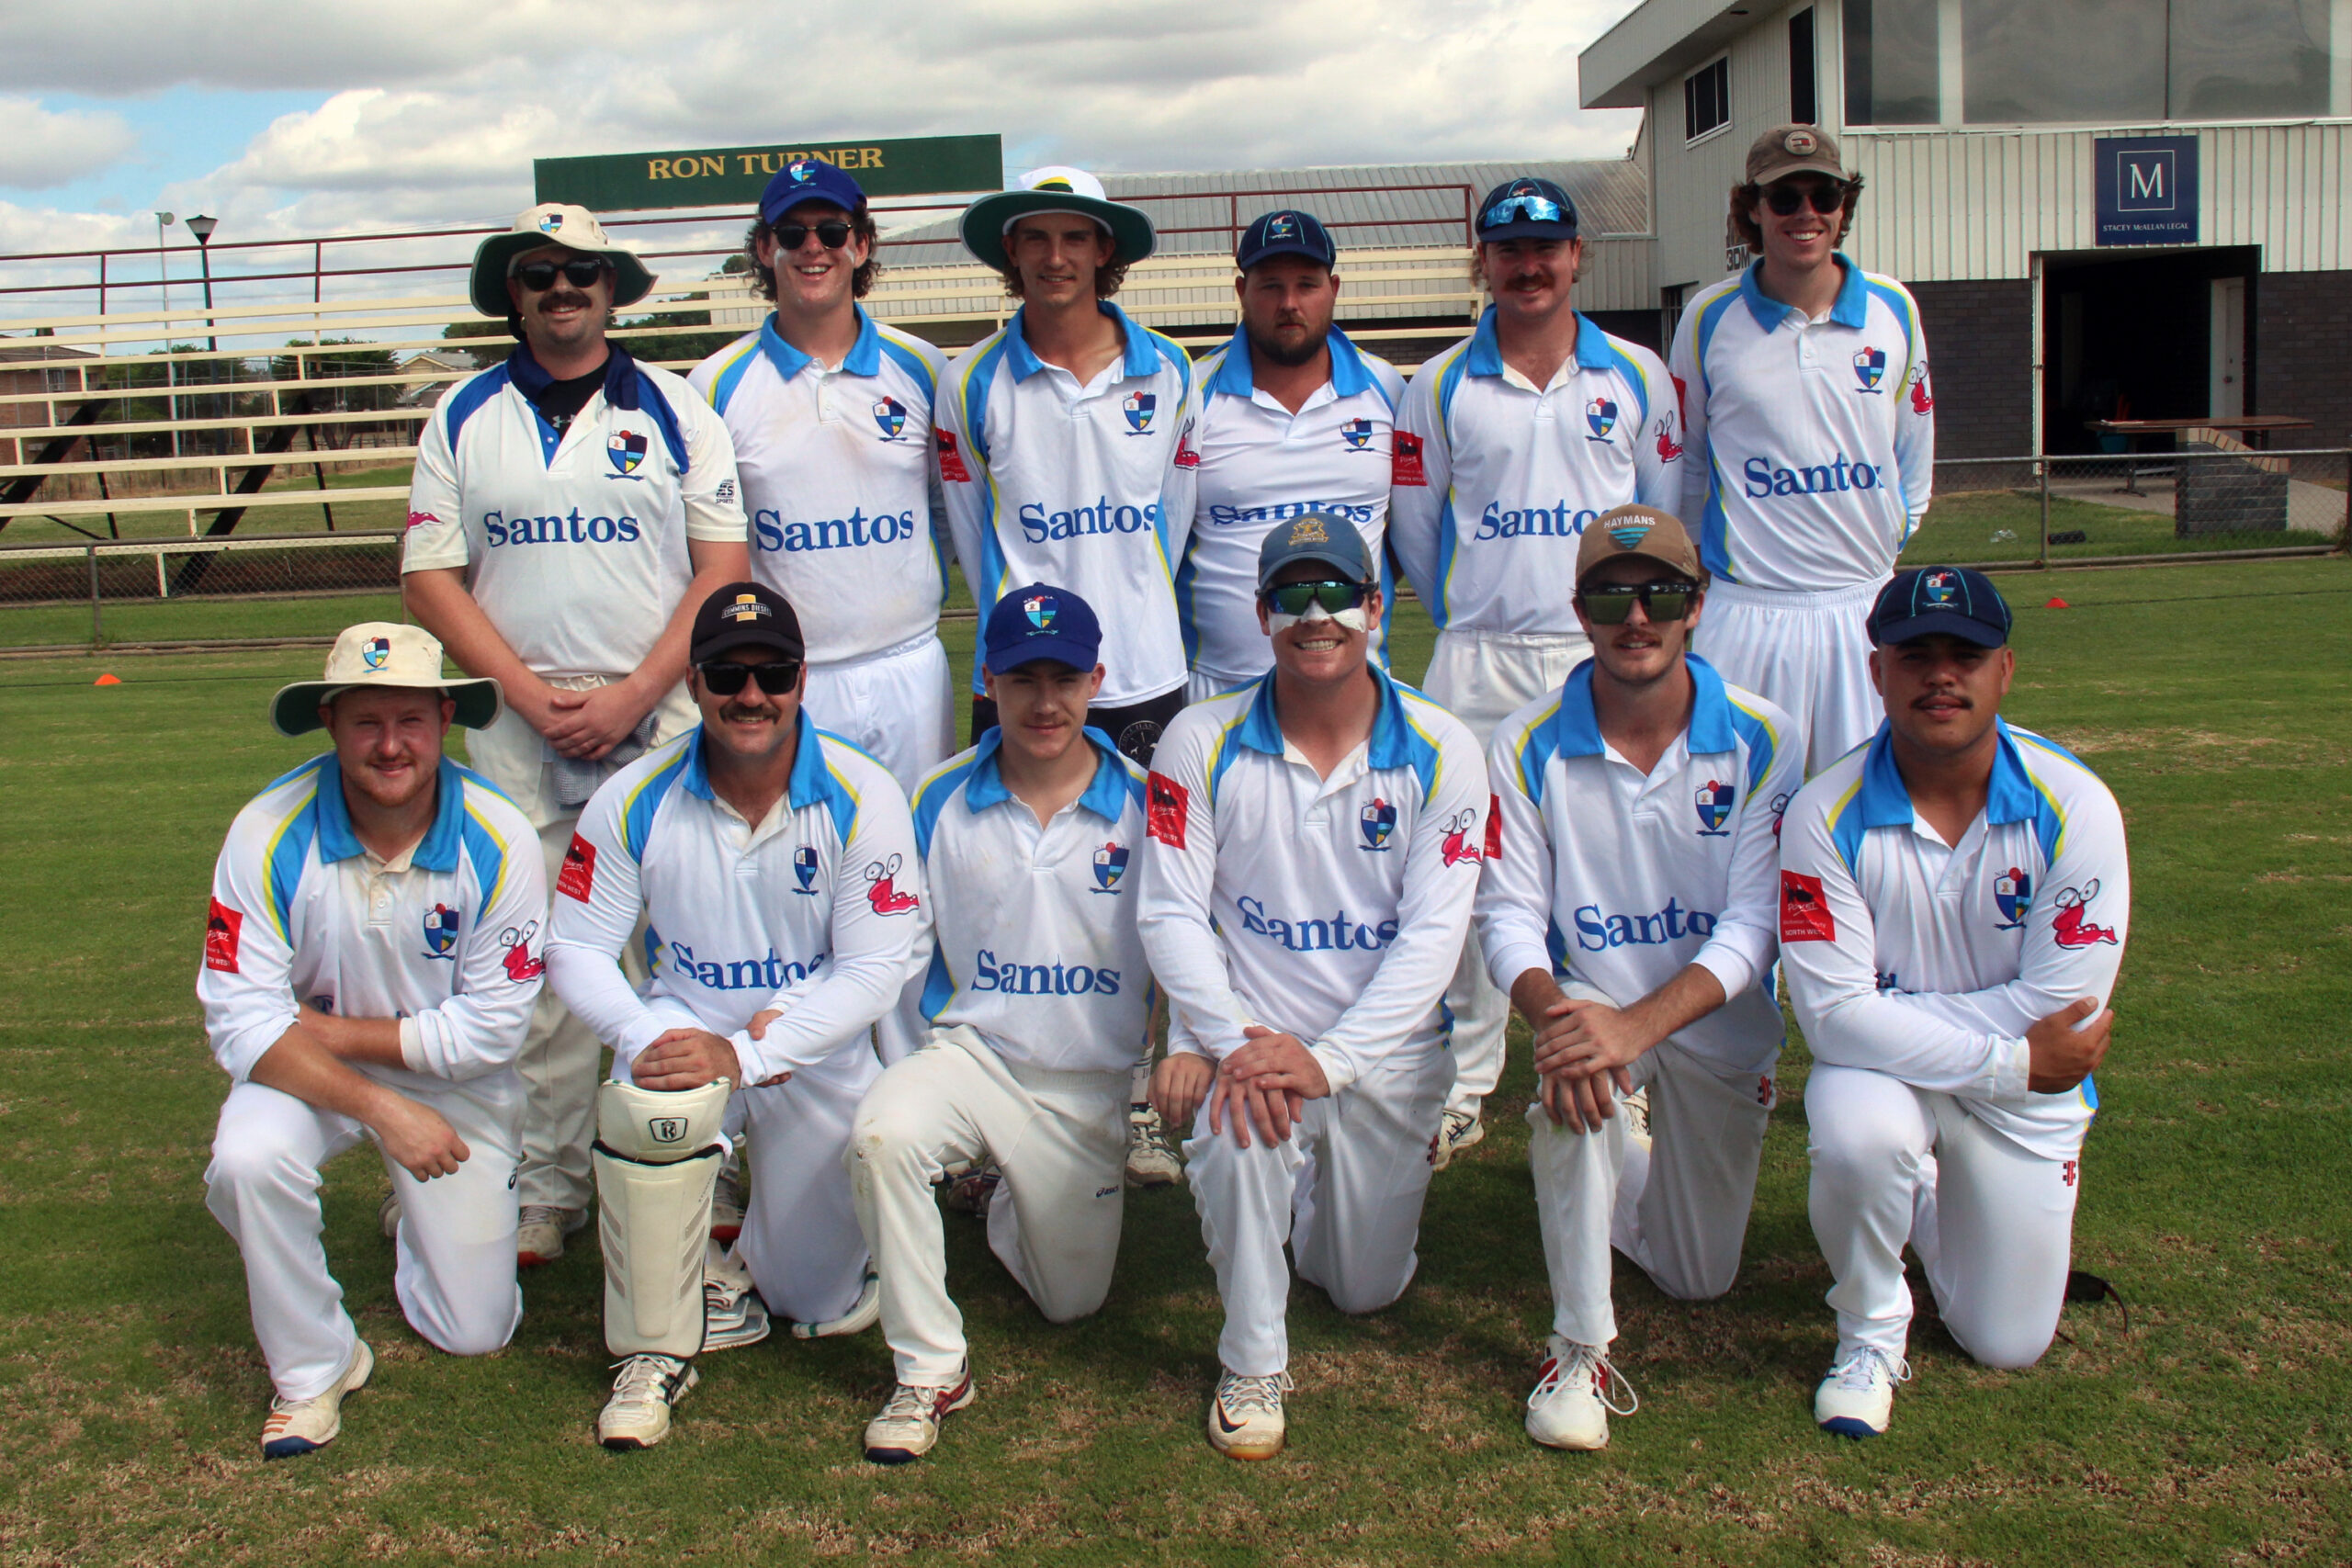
(1264, 1084)
(1584, 1056)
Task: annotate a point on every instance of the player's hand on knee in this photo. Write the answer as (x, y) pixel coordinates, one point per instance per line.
(417, 1139)
(1273, 1060)
(1557, 1032)
(687, 1058)
(1599, 1039)
(2063, 1050)
(1177, 1086)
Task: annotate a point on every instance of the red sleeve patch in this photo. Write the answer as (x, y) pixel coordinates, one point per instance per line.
(222, 926)
(951, 461)
(1405, 467)
(1494, 827)
(1167, 805)
(1804, 910)
(1681, 397)
(578, 877)
(422, 519)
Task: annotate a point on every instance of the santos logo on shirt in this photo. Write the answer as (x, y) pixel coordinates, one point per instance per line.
(498, 529)
(769, 974)
(1596, 932)
(770, 532)
(1316, 935)
(1041, 979)
(1820, 479)
(1562, 521)
(1283, 511)
(1038, 525)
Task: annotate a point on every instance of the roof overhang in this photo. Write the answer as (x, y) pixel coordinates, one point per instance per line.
(1659, 39)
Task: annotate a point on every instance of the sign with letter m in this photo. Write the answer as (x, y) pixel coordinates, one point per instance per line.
(2145, 189)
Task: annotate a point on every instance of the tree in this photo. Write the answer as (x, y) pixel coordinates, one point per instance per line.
(354, 357)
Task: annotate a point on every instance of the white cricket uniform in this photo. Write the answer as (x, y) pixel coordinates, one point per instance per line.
(843, 489)
(1247, 463)
(809, 912)
(1915, 969)
(1613, 881)
(1815, 454)
(446, 938)
(574, 544)
(1333, 910)
(1027, 1015)
(1050, 481)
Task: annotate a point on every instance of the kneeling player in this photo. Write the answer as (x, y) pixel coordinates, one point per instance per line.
(774, 863)
(1953, 900)
(1030, 1015)
(369, 968)
(1314, 850)
(1628, 908)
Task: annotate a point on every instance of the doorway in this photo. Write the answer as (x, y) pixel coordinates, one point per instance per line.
(2151, 335)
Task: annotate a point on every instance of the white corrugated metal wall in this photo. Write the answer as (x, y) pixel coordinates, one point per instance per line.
(1690, 179)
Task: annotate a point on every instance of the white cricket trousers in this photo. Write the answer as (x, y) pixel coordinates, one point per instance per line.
(455, 1276)
(899, 704)
(1345, 1190)
(1483, 678)
(1679, 1209)
(1060, 1138)
(1807, 653)
(800, 1237)
(1992, 1221)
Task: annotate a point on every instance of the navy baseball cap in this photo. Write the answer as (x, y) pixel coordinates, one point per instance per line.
(1950, 600)
(1285, 233)
(1041, 622)
(1527, 208)
(1316, 536)
(808, 179)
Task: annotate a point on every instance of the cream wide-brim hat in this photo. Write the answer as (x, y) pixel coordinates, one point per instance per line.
(553, 223)
(385, 654)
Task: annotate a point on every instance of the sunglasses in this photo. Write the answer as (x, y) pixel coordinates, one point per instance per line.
(832, 233)
(538, 276)
(1533, 208)
(725, 680)
(1784, 200)
(1293, 598)
(1608, 605)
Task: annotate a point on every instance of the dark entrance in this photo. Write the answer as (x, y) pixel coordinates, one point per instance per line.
(2134, 338)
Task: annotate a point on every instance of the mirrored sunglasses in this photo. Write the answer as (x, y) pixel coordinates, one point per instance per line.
(1610, 603)
(1293, 598)
(1533, 208)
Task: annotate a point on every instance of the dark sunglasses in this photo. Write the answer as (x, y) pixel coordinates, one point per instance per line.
(725, 680)
(1610, 604)
(1784, 200)
(1293, 598)
(832, 233)
(538, 276)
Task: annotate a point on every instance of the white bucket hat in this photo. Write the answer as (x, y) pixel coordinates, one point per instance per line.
(383, 653)
(553, 223)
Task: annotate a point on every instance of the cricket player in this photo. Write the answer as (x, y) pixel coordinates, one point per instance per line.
(1955, 898)
(1292, 418)
(1804, 384)
(1627, 906)
(1056, 436)
(1028, 1014)
(1507, 444)
(370, 960)
(1315, 848)
(776, 864)
(570, 509)
(831, 416)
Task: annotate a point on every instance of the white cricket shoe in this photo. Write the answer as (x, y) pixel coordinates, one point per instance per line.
(857, 1320)
(302, 1426)
(1463, 1129)
(1571, 1406)
(908, 1424)
(387, 1216)
(637, 1416)
(728, 1201)
(1246, 1416)
(1152, 1161)
(539, 1238)
(733, 1316)
(1857, 1399)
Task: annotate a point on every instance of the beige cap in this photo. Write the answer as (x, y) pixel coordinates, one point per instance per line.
(383, 653)
(552, 223)
(1788, 150)
(1642, 531)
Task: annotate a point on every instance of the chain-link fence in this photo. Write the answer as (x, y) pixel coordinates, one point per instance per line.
(250, 588)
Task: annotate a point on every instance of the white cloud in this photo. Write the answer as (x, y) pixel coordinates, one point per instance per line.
(41, 149)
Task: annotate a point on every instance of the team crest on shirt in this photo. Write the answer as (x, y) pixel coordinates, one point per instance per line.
(1378, 820)
(1041, 609)
(441, 932)
(627, 449)
(1139, 407)
(1110, 865)
(2012, 894)
(1715, 809)
(1357, 433)
(1600, 417)
(1870, 369)
(2070, 924)
(891, 415)
(375, 652)
(804, 868)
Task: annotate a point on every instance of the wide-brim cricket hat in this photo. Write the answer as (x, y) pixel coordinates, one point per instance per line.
(1055, 188)
(552, 223)
(386, 654)
(1939, 600)
(1644, 533)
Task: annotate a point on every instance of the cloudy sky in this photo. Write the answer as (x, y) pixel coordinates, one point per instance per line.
(330, 116)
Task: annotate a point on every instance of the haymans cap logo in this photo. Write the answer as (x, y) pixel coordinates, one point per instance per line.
(1357, 433)
(1629, 534)
(1139, 407)
(1110, 865)
(891, 415)
(1601, 415)
(1378, 820)
(375, 652)
(440, 931)
(1041, 609)
(1715, 809)
(747, 607)
(1282, 226)
(1308, 531)
(2012, 894)
(1870, 367)
(1804, 144)
(627, 449)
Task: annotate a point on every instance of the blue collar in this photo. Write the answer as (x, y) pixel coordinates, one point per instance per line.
(1392, 732)
(437, 851)
(1884, 802)
(1141, 358)
(1575, 729)
(1236, 377)
(621, 376)
(1852, 309)
(864, 356)
(1106, 791)
(810, 781)
(1486, 356)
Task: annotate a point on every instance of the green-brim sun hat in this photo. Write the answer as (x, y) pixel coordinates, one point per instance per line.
(1054, 188)
(553, 223)
(383, 653)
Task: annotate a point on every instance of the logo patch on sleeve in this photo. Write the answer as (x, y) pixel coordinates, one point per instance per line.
(1405, 467)
(1166, 805)
(951, 461)
(578, 877)
(221, 926)
(1804, 910)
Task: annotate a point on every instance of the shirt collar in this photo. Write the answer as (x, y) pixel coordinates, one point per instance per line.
(1236, 377)
(1885, 802)
(531, 378)
(437, 851)
(864, 356)
(1852, 309)
(1486, 356)
(1106, 791)
(1140, 360)
(1575, 729)
(1391, 731)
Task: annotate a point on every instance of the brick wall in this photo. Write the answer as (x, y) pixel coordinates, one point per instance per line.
(1980, 358)
(2302, 326)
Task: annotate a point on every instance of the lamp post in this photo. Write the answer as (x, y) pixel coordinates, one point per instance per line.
(201, 227)
(164, 275)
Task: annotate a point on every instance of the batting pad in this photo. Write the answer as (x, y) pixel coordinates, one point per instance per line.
(657, 1156)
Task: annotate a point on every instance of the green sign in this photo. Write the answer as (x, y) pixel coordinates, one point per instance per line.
(734, 177)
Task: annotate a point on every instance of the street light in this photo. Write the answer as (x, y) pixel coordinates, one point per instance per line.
(201, 227)
(171, 377)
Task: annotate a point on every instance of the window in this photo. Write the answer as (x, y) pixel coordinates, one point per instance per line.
(1891, 67)
(1804, 105)
(1669, 311)
(2063, 60)
(1706, 99)
(2248, 59)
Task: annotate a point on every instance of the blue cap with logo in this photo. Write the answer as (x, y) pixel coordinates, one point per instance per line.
(1527, 208)
(1313, 536)
(1041, 622)
(1946, 601)
(808, 179)
(1289, 232)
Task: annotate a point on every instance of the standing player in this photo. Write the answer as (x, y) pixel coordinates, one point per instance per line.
(570, 508)
(1627, 907)
(1804, 384)
(1315, 851)
(774, 863)
(831, 413)
(1953, 902)
(1029, 1013)
(1508, 443)
(1292, 418)
(1056, 434)
(370, 960)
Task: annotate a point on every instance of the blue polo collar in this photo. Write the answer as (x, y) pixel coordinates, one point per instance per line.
(1106, 791)
(531, 378)
(437, 851)
(1884, 802)
(864, 357)
(1576, 729)
(1852, 309)
(1486, 356)
(1236, 377)
(1141, 358)
(1392, 732)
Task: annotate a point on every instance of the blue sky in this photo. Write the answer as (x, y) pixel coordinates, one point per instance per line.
(185, 133)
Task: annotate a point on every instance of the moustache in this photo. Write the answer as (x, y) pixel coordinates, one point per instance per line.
(744, 713)
(565, 301)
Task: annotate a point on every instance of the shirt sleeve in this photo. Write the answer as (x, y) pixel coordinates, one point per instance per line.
(1747, 936)
(1179, 491)
(596, 902)
(1915, 429)
(1178, 880)
(712, 493)
(903, 1029)
(501, 965)
(1515, 889)
(1420, 472)
(1657, 449)
(437, 521)
(963, 488)
(246, 981)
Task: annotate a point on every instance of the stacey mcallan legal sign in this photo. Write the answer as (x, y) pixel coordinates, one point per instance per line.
(2145, 190)
(729, 176)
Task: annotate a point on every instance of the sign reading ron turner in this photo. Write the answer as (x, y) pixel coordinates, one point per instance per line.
(731, 176)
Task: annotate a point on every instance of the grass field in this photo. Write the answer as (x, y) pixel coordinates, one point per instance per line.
(2213, 699)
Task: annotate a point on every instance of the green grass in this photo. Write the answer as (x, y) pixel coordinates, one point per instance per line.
(1967, 526)
(2213, 698)
(152, 517)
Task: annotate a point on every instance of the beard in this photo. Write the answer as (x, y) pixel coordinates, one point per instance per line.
(1275, 352)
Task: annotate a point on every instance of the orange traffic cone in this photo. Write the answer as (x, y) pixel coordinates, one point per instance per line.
(108, 680)
(2057, 604)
